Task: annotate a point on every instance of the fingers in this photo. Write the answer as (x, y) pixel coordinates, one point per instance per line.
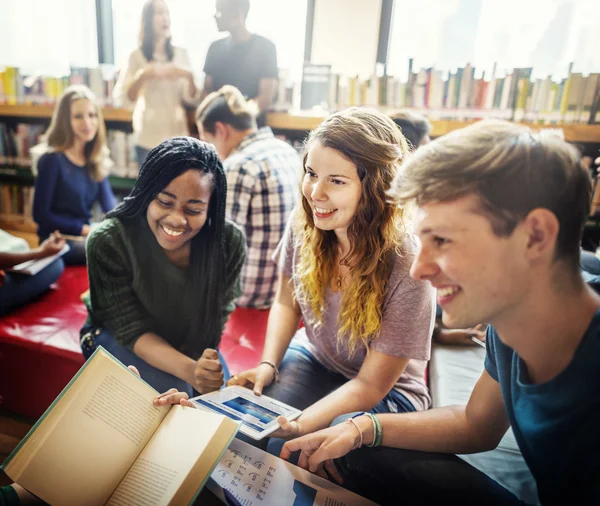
(134, 370)
(321, 472)
(259, 385)
(332, 471)
(210, 360)
(242, 379)
(172, 396)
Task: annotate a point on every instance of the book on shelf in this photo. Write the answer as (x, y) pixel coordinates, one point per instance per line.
(19, 88)
(102, 439)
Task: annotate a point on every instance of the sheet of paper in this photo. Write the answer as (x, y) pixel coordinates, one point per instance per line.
(255, 477)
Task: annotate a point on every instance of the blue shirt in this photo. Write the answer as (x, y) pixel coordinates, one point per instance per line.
(64, 196)
(557, 423)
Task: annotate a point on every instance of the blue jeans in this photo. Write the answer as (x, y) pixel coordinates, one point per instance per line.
(141, 154)
(303, 381)
(18, 289)
(76, 255)
(157, 379)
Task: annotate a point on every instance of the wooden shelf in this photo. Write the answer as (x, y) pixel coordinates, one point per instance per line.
(45, 112)
(17, 222)
(574, 132)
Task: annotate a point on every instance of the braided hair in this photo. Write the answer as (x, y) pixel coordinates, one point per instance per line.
(165, 162)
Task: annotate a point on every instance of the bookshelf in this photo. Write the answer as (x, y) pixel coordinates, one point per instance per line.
(299, 122)
(574, 132)
(44, 112)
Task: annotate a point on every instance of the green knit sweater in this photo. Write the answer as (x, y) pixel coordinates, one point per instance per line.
(135, 289)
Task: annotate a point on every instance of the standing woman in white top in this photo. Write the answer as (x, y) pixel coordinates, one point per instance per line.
(158, 81)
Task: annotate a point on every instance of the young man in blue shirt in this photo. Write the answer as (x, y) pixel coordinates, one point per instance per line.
(500, 212)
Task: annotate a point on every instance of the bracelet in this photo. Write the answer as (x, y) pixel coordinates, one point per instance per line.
(269, 363)
(360, 442)
(377, 430)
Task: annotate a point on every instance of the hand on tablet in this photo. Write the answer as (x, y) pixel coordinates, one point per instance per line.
(256, 378)
(287, 430)
(208, 372)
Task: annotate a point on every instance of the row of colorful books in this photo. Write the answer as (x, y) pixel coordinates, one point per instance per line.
(15, 143)
(460, 94)
(18, 88)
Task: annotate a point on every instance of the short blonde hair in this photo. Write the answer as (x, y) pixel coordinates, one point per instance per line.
(228, 106)
(512, 170)
(60, 134)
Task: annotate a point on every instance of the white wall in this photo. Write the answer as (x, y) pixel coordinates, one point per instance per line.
(345, 35)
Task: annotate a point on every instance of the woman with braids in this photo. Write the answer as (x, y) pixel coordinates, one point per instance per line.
(164, 270)
(344, 269)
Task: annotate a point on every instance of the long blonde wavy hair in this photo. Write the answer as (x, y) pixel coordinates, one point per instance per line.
(374, 144)
(60, 134)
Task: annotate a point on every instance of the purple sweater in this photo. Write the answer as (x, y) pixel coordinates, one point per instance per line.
(64, 196)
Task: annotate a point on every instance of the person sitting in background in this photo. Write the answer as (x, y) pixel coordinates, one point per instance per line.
(344, 262)
(261, 176)
(164, 270)
(500, 214)
(158, 81)
(244, 60)
(72, 167)
(415, 128)
(18, 289)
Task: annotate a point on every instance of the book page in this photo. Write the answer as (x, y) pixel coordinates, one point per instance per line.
(255, 477)
(94, 437)
(184, 438)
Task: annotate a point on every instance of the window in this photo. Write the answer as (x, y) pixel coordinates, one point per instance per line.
(544, 34)
(194, 28)
(47, 37)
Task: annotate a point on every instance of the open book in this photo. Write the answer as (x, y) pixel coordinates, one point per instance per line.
(32, 267)
(102, 441)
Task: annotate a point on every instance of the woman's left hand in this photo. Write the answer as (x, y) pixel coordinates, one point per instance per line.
(287, 430)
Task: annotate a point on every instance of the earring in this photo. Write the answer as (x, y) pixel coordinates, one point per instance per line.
(209, 221)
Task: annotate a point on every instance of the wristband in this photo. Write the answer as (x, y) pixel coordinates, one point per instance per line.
(271, 364)
(377, 430)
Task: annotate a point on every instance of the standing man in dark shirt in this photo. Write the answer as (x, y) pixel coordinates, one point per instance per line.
(243, 59)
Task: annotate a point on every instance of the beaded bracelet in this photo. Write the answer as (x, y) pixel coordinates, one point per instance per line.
(377, 430)
(269, 363)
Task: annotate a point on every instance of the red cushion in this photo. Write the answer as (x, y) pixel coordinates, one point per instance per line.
(40, 353)
(243, 339)
(39, 345)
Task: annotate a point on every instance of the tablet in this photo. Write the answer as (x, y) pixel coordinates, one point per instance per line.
(258, 414)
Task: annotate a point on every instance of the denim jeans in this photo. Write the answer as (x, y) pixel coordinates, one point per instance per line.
(18, 289)
(389, 476)
(141, 154)
(92, 337)
(76, 255)
(303, 381)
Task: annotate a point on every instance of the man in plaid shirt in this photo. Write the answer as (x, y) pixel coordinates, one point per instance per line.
(262, 185)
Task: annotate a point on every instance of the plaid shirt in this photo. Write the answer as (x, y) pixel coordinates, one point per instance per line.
(262, 188)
